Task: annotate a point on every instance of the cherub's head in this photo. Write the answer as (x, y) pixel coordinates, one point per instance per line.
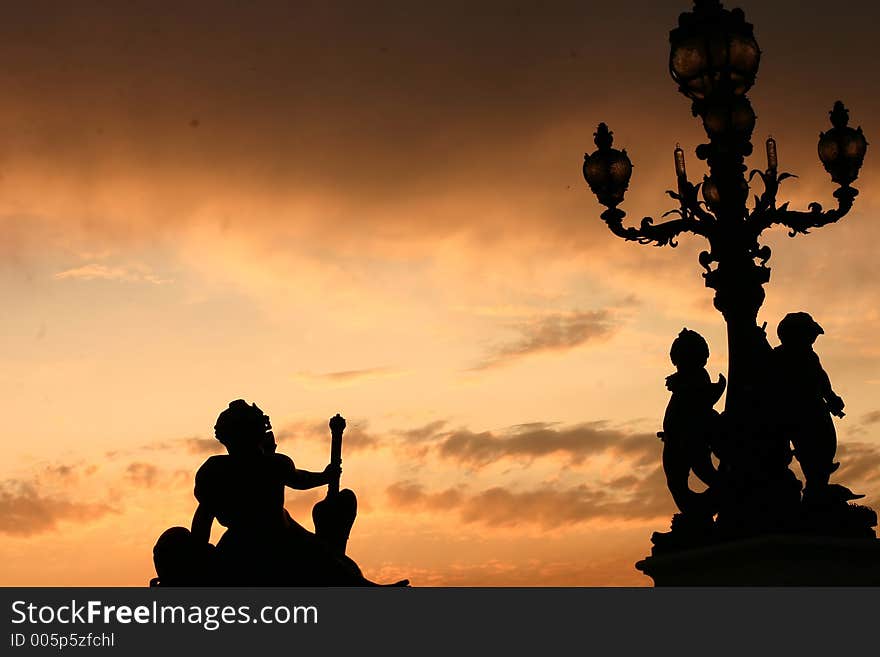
(798, 330)
(244, 428)
(689, 351)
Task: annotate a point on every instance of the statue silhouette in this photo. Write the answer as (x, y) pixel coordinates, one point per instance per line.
(796, 405)
(244, 491)
(805, 398)
(690, 428)
(806, 402)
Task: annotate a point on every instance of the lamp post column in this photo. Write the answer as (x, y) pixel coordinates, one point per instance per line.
(759, 490)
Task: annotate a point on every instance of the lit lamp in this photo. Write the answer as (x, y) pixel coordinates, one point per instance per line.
(842, 149)
(772, 159)
(680, 171)
(608, 170)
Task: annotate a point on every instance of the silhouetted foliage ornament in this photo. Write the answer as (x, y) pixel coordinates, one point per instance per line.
(842, 149)
(608, 170)
(712, 50)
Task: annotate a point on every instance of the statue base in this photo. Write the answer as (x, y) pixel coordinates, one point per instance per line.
(770, 560)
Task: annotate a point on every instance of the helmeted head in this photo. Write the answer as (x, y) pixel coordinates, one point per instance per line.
(689, 350)
(798, 329)
(243, 427)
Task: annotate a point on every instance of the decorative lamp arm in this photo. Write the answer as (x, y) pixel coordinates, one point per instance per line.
(648, 233)
(803, 222)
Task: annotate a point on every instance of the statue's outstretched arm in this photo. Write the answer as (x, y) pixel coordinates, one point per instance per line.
(305, 479)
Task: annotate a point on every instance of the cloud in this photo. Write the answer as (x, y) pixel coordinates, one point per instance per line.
(549, 507)
(470, 133)
(97, 271)
(553, 333)
(147, 475)
(863, 425)
(356, 437)
(195, 445)
(859, 466)
(535, 440)
(66, 474)
(871, 418)
(142, 474)
(346, 377)
(409, 495)
(640, 494)
(423, 433)
(61, 471)
(25, 512)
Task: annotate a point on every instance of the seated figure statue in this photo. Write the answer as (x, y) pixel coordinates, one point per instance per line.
(244, 491)
(690, 424)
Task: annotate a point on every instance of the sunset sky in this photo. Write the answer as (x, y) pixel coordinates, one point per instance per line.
(377, 209)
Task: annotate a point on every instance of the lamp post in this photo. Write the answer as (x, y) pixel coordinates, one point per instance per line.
(714, 59)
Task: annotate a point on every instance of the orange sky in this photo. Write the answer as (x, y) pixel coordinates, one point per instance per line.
(380, 212)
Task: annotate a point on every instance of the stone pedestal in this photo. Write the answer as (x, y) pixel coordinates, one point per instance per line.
(773, 560)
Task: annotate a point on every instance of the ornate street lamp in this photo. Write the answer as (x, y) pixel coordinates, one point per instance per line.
(714, 60)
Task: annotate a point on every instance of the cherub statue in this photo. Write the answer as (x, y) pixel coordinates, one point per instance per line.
(690, 424)
(806, 403)
(244, 491)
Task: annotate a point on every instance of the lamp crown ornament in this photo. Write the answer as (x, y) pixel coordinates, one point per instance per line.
(603, 137)
(839, 115)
